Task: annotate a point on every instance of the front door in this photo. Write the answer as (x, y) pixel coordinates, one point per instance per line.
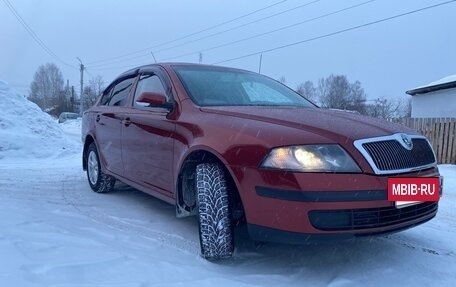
(147, 140)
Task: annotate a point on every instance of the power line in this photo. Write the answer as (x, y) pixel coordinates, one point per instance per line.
(188, 35)
(240, 26)
(272, 31)
(302, 41)
(121, 60)
(213, 34)
(338, 32)
(116, 67)
(90, 74)
(33, 34)
(102, 67)
(96, 67)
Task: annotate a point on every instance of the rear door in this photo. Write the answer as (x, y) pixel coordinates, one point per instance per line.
(108, 126)
(147, 140)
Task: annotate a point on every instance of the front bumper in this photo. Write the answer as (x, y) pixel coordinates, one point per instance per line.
(261, 233)
(307, 206)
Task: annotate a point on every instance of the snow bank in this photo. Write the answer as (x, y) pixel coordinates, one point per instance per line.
(26, 132)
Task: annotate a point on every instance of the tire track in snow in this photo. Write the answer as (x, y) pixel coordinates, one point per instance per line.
(397, 239)
(78, 201)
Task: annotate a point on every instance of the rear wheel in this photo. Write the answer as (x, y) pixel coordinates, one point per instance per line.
(99, 181)
(214, 218)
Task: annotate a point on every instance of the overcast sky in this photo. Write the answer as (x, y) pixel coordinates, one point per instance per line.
(388, 58)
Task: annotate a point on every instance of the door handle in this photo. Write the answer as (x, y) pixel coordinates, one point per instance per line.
(126, 122)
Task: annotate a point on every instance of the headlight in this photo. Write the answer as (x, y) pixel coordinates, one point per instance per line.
(311, 158)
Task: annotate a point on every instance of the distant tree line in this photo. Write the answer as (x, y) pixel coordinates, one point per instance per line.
(337, 92)
(49, 92)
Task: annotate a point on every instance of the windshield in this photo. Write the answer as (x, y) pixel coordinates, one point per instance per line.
(216, 86)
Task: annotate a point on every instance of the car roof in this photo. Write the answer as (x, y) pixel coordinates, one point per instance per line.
(168, 65)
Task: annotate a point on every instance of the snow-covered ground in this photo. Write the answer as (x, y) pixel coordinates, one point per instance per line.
(54, 231)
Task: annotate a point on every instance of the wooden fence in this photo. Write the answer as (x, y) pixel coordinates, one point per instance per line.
(440, 132)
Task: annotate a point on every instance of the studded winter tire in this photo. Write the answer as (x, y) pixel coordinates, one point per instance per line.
(215, 226)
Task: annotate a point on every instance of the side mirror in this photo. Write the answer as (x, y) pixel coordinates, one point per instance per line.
(153, 99)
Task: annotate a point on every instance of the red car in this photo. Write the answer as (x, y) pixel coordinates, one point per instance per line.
(228, 146)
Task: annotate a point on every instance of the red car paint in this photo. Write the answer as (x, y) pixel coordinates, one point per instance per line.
(147, 149)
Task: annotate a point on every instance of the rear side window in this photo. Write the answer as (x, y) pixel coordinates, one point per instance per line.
(120, 92)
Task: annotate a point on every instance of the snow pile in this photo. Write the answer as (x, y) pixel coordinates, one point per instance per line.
(26, 132)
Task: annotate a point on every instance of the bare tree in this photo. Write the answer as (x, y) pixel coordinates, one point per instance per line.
(307, 90)
(282, 80)
(407, 111)
(92, 91)
(384, 108)
(337, 92)
(97, 84)
(47, 87)
(357, 98)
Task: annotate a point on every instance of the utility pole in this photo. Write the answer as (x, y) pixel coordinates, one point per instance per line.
(72, 99)
(81, 98)
(200, 57)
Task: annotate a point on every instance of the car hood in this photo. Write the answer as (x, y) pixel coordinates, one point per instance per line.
(330, 124)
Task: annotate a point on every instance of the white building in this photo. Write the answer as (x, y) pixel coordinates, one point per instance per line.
(435, 100)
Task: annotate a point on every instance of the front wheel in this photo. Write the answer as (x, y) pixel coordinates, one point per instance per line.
(99, 181)
(214, 218)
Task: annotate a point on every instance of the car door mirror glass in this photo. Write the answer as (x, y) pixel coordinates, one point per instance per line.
(152, 99)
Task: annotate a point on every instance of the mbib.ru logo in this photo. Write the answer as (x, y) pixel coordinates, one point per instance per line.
(414, 189)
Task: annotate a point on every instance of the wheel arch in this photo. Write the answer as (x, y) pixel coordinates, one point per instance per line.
(186, 186)
(87, 142)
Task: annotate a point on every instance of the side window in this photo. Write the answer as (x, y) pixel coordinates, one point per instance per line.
(105, 97)
(148, 83)
(120, 92)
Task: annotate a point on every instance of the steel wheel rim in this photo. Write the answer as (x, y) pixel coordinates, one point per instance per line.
(93, 168)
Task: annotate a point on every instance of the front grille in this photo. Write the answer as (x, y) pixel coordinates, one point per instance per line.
(355, 219)
(388, 155)
(397, 153)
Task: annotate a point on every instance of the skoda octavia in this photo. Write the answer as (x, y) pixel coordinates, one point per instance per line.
(230, 146)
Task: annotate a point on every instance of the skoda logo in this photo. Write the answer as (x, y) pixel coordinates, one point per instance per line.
(407, 142)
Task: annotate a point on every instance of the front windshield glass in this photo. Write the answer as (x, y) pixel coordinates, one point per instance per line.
(216, 86)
